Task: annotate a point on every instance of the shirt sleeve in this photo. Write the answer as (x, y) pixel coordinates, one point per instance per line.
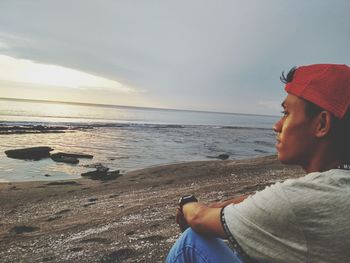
(265, 227)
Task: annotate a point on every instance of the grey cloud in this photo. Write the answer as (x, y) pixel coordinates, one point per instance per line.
(224, 55)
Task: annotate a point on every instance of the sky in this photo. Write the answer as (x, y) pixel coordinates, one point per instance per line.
(186, 54)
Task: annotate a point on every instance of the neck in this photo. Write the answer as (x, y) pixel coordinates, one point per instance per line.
(323, 159)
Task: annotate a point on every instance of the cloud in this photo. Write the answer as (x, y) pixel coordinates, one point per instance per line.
(26, 72)
(223, 55)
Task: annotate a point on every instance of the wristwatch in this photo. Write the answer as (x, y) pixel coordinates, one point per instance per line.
(187, 199)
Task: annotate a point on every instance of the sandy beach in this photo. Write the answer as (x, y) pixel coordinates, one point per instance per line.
(129, 219)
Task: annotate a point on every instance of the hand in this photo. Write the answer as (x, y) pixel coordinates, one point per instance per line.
(180, 220)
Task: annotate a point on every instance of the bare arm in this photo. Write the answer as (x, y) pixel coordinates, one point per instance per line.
(204, 219)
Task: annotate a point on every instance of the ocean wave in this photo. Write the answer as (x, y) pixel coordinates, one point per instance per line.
(27, 125)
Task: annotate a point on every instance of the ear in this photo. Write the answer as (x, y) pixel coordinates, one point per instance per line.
(323, 124)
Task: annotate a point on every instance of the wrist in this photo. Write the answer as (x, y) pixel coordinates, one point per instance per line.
(186, 199)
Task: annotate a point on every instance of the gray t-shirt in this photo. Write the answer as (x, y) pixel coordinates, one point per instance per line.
(300, 220)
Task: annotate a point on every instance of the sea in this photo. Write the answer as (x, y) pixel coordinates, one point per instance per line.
(126, 138)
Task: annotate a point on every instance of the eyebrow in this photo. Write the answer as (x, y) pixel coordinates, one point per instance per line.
(283, 104)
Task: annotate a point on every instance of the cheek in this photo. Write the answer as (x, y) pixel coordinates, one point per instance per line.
(295, 143)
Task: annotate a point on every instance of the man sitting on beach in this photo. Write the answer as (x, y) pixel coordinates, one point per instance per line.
(299, 220)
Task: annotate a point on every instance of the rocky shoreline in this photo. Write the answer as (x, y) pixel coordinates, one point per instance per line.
(101, 172)
(129, 219)
(29, 129)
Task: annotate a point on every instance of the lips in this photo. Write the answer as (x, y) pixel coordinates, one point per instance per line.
(278, 142)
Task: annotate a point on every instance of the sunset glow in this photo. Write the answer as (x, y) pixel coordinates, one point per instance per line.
(29, 72)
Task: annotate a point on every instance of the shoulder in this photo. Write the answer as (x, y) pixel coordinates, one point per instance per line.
(317, 181)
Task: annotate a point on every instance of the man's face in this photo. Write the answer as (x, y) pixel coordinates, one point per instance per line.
(295, 140)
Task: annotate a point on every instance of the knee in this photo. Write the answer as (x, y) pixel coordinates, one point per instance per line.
(184, 249)
(192, 247)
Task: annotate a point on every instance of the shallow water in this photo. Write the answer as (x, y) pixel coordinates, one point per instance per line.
(127, 138)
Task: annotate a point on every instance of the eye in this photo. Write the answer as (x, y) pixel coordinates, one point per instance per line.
(285, 113)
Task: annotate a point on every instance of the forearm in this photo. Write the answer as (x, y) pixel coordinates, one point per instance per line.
(206, 219)
(203, 219)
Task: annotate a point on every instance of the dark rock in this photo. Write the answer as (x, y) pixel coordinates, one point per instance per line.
(47, 175)
(223, 156)
(101, 170)
(22, 229)
(92, 199)
(64, 159)
(102, 174)
(95, 173)
(97, 166)
(114, 173)
(71, 158)
(73, 155)
(33, 153)
(220, 156)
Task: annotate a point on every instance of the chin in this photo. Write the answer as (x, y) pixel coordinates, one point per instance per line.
(283, 159)
(287, 160)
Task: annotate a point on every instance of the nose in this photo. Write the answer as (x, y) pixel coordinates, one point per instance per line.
(277, 127)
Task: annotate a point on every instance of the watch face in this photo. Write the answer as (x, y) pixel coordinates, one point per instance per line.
(187, 199)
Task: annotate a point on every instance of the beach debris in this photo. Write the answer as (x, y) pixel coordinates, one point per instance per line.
(32, 153)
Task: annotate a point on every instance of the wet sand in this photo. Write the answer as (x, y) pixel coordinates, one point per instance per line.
(129, 219)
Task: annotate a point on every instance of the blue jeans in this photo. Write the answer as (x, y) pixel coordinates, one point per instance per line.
(194, 248)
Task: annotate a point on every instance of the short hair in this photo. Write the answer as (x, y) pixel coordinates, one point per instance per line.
(340, 129)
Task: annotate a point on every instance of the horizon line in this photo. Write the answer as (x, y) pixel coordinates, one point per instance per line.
(126, 106)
